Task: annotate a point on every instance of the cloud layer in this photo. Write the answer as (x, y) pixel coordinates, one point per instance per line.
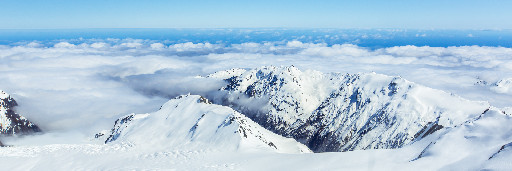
(73, 86)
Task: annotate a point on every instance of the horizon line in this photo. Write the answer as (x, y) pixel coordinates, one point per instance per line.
(261, 28)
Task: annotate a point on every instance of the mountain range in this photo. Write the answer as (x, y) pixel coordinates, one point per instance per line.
(342, 112)
(269, 110)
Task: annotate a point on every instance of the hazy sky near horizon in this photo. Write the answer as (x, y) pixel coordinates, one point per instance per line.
(432, 14)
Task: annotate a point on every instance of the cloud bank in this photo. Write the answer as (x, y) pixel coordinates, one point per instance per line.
(73, 86)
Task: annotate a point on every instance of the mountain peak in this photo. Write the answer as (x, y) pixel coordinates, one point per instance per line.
(192, 120)
(12, 123)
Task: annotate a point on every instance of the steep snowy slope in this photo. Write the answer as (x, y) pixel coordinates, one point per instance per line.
(342, 112)
(191, 121)
(12, 123)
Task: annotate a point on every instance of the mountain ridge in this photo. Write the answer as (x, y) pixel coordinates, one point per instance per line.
(342, 112)
(191, 120)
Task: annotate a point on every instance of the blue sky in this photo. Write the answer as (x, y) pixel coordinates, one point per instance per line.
(420, 14)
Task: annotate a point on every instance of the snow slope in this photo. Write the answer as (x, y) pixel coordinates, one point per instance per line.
(191, 121)
(342, 112)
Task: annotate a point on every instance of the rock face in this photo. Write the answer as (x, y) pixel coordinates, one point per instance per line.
(342, 112)
(192, 121)
(12, 123)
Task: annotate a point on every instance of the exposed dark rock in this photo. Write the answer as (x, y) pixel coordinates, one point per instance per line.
(204, 100)
(503, 147)
(118, 127)
(428, 129)
(98, 135)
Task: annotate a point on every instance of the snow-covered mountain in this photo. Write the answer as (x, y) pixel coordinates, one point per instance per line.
(191, 121)
(12, 123)
(342, 112)
(482, 143)
(503, 86)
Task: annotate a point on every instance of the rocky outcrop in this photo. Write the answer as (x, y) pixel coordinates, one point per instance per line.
(507, 146)
(12, 123)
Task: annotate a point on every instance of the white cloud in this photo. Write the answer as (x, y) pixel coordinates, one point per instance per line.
(192, 46)
(64, 45)
(157, 45)
(131, 44)
(99, 45)
(67, 86)
(34, 45)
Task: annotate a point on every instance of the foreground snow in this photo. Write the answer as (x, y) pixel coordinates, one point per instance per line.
(123, 156)
(128, 156)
